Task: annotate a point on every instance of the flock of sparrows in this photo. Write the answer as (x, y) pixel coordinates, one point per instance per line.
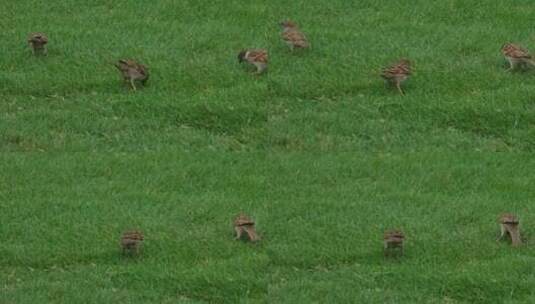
(244, 227)
(394, 74)
(393, 240)
(131, 71)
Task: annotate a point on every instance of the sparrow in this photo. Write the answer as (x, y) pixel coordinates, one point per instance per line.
(397, 73)
(37, 43)
(393, 239)
(132, 72)
(509, 225)
(256, 57)
(131, 242)
(516, 55)
(244, 224)
(293, 37)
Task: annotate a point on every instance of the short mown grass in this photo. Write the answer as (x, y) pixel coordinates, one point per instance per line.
(318, 151)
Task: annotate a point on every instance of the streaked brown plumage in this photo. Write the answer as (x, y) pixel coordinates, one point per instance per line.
(244, 224)
(132, 72)
(256, 57)
(397, 73)
(293, 37)
(509, 225)
(393, 239)
(132, 242)
(37, 43)
(516, 55)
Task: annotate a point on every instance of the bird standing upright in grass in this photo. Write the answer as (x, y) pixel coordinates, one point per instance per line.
(132, 242)
(293, 37)
(37, 42)
(132, 72)
(393, 239)
(516, 56)
(256, 57)
(244, 224)
(397, 73)
(509, 225)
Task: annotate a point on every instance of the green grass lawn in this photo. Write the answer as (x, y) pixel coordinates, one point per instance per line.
(318, 151)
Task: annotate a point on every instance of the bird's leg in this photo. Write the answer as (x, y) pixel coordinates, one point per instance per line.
(238, 230)
(398, 85)
(132, 84)
(511, 65)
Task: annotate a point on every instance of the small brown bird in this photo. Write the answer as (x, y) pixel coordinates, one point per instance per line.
(37, 42)
(242, 223)
(132, 72)
(509, 225)
(132, 242)
(256, 57)
(397, 73)
(393, 239)
(293, 37)
(516, 56)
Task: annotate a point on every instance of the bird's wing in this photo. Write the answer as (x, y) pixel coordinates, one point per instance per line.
(396, 70)
(258, 55)
(295, 37)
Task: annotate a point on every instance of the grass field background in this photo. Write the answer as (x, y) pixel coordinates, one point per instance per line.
(318, 151)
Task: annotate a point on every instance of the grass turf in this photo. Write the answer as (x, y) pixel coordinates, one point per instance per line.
(317, 150)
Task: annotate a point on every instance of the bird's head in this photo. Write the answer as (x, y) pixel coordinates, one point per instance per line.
(241, 56)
